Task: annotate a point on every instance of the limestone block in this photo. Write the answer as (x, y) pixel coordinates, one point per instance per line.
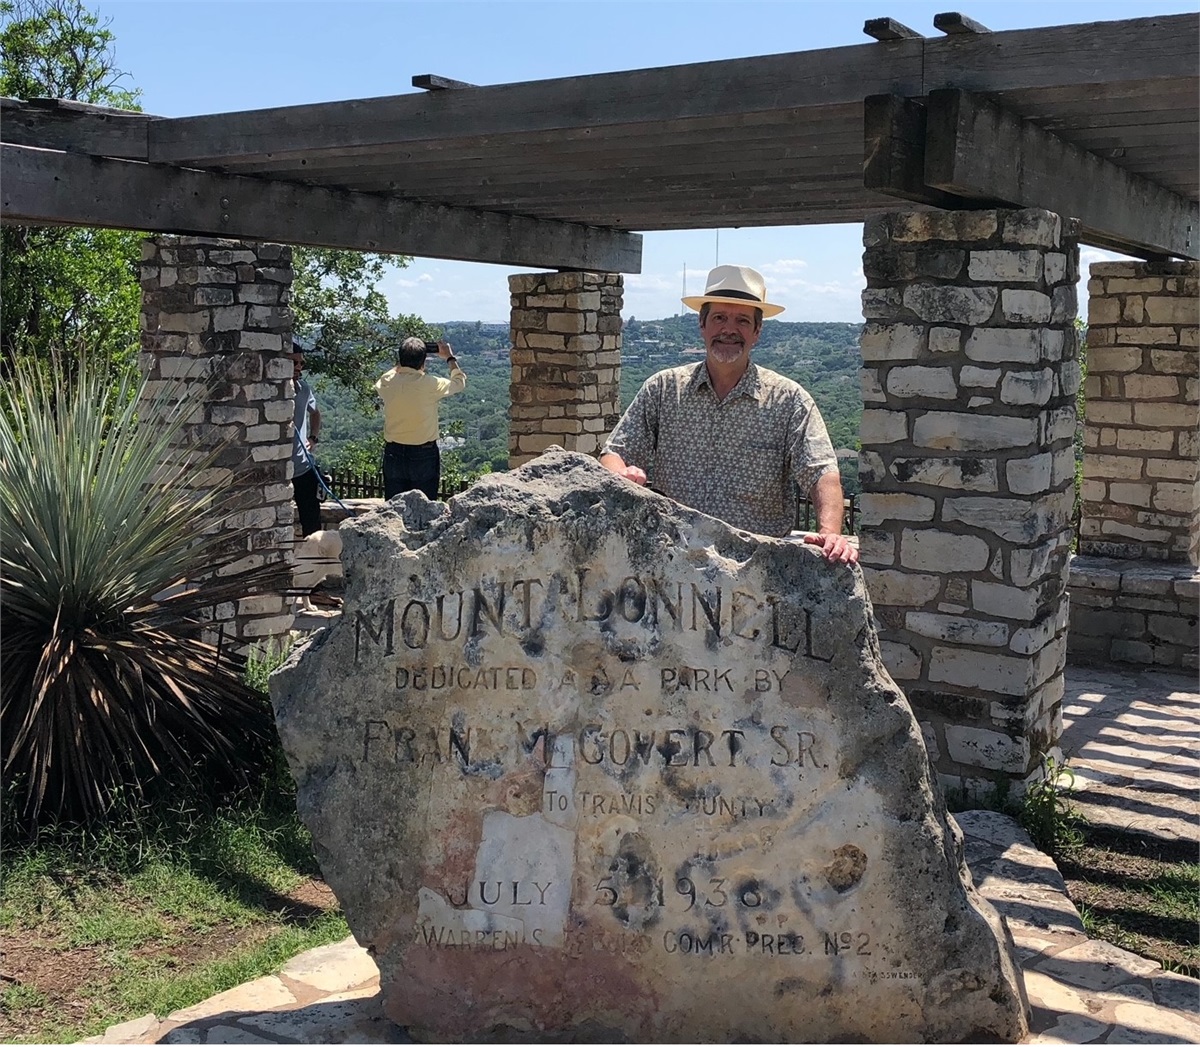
(949, 304)
(1179, 498)
(1174, 361)
(1002, 673)
(957, 226)
(904, 664)
(957, 629)
(891, 341)
(882, 427)
(1172, 469)
(965, 474)
(971, 432)
(1027, 387)
(936, 383)
(1004, 345)
(876, 547)
(1181, 310)
(872, 391)
(1064, 304)
(1113, 359)
(979, 377)
(1054, 343)
(1130, 494)
(876, 508)
(1151, 387)
(1029, 566)
(1103, 311)
(1033, 226)
(1022, 306)
(1105, 412)
(942, 553)
(592, 738)
(1165, 415)
(1147, 336)
(1112, 466)
(1055, 267)
(880, 302)
(901, 588)
(1020, 520)
(1003, 266)
(1003, 601)
(945, 340)
(1070, 376)
(1029, 475)
(206, 274)
(549, 301)
(977, 747)
(260, 341)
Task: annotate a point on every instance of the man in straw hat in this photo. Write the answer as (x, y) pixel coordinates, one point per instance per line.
(729, 438)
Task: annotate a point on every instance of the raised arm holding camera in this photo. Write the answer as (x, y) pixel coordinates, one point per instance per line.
(411, 460)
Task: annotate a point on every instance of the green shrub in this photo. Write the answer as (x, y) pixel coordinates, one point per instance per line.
(1046, 813)
(108, 687)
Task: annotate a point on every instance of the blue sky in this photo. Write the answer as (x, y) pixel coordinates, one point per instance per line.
(226, 55)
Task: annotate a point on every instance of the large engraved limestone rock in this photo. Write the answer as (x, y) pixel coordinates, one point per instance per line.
(580, 761)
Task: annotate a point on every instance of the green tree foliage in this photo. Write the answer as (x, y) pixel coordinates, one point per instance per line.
(107, 685)
(343, 316)
(65, 288)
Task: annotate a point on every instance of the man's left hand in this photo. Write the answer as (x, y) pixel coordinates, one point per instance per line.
(836, 548)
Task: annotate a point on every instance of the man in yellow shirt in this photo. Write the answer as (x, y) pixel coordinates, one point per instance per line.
(411, 461)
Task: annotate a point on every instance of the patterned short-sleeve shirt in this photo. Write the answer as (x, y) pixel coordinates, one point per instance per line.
(743, 459)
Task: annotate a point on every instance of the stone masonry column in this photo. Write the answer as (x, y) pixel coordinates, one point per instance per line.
(1140, 500)
(1135, 583)
(970, 375)
(217, 311)
(566, 362)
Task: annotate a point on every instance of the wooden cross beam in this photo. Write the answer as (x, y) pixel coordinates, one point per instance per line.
(53, 187)
(972, 153)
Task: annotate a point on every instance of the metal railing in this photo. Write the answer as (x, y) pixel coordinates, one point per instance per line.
(806, 518)
(346, 484)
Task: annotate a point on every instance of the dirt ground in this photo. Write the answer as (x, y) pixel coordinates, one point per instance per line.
(70, 978)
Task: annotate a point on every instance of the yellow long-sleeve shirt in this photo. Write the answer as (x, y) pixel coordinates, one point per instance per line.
(410, 402)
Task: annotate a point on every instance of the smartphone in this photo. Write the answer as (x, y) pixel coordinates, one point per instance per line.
(431, 348)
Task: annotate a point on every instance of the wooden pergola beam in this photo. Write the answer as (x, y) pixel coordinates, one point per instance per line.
(45, 186)
(961, 150)
(975, 149)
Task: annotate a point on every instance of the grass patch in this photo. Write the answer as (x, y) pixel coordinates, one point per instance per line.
(165, 904)
(1139, 893)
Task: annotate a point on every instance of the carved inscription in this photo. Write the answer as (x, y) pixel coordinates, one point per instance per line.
(506, 607)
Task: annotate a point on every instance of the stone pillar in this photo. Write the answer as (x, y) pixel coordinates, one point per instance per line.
(1134, 584)
(566, 362)
(970, 375)
(1143, 389)
(217, 311)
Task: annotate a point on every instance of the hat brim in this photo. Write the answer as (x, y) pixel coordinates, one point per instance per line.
(768, 309)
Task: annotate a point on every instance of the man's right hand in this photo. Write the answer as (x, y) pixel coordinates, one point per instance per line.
(614, 463)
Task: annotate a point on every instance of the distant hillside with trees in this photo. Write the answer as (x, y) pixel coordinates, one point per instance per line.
(823, 357)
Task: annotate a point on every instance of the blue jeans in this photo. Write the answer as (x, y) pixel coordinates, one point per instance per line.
(411, 467)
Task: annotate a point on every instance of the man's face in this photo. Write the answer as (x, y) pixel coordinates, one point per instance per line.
(297, 365)
(729, 332)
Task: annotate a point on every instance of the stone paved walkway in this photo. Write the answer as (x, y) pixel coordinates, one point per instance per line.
(1134, 740)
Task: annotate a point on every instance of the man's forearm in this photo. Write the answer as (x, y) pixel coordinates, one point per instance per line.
(828, 502)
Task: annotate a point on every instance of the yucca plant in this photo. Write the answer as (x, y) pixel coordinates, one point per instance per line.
(106, 686)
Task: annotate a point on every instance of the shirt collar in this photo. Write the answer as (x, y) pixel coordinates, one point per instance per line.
(750, 384)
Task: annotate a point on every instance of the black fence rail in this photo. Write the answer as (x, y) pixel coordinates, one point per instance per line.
(355, 485)
(806, 517)
(370, 485)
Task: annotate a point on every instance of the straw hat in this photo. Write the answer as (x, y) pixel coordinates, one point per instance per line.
(736, 285)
